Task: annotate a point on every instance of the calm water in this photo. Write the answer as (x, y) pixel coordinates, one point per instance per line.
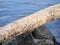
(11, 10)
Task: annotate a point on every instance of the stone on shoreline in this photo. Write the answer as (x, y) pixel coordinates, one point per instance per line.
(40, 36)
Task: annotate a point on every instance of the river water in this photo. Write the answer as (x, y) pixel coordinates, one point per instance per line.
(11, 10)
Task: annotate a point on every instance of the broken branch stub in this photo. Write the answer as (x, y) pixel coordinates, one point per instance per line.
(30, 22)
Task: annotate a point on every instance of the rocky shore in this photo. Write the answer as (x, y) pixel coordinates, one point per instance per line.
(40, 36)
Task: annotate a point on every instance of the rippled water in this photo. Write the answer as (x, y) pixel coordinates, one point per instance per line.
(11, 10)
(54, 27)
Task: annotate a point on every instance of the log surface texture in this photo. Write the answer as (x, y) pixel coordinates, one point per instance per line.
(30, 22)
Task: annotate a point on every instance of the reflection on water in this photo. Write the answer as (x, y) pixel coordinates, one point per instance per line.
(11, 10)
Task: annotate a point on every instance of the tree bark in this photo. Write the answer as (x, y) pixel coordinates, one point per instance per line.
(30, 22)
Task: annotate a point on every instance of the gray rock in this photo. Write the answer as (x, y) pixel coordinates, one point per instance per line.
(42, 32)
(43, 36)
(43, 42)
(24, 39)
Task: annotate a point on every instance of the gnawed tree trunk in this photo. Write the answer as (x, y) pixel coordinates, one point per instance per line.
(28, 23)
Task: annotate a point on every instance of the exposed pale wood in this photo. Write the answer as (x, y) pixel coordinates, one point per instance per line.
(30, 22)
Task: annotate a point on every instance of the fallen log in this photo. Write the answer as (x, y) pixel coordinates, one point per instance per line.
(30, 22)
